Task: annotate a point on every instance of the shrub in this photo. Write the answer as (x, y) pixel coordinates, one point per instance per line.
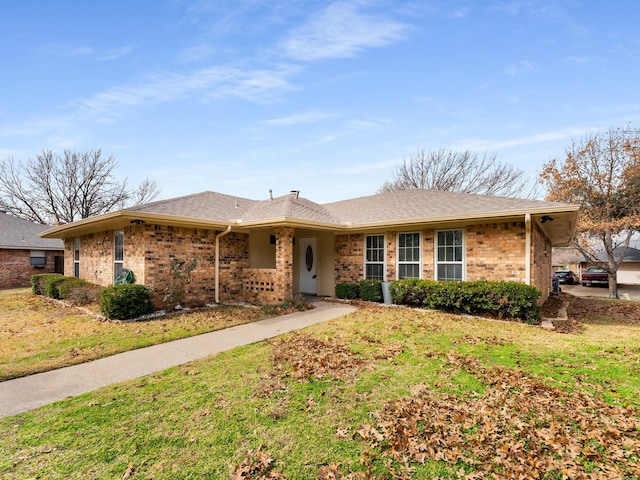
(370, 290)
(125, 301)
(500, 299)
(52, 285)
(348, 291)
(79, 292)
(38, 282)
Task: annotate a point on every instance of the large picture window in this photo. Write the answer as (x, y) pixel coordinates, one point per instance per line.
(409, 255)
(76, 257)
(450, 255)
(118, 254)
(374, 257)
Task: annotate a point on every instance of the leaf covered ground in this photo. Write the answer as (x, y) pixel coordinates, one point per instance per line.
(383, 393)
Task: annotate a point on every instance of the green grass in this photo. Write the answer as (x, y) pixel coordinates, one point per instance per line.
(38, 334)
(295, 405)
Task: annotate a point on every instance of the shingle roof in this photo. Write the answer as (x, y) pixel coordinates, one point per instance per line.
(427, 204)
(632, 255)
(205, 205)
(288, 206)
(17, 233)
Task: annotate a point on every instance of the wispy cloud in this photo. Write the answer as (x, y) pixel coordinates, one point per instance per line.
(341, 30)
(300, 118)
(539, 138)
(209, 83)
(115, 53)
(73, 51)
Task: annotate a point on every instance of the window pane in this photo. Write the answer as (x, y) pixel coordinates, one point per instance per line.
(119, 246)
(374, 272)
(76, 269)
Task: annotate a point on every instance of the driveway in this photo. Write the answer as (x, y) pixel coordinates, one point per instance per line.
(579, 291)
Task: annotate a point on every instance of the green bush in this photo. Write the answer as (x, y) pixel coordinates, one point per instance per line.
(125, 301)
(499, 299)
(370, 290)
(348, 291)
(68, 284)
(38, 282)
(52, 285)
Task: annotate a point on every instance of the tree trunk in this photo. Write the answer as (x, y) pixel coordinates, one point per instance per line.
(613, 285)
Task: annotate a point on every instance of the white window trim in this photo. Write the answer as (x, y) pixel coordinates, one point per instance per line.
(76, 263)
(384, 255)
(121, 262)
(464, 253)
(398, 263)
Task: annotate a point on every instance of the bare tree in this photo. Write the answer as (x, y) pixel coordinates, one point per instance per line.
(601, 173)
(459, 171)
(68, 187)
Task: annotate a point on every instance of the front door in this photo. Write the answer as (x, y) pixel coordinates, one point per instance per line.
(308, 266)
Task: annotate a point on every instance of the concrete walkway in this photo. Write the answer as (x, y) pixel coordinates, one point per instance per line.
(27, 393)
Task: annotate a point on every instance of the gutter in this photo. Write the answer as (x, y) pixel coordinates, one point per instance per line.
(527, 253)
(217, 266)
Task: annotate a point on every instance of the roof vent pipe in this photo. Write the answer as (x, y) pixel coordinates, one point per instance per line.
(295, 193)
(270, 194)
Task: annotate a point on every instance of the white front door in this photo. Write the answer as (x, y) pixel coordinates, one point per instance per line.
(308, 266)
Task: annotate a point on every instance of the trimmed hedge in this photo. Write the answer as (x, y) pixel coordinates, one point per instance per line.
(125, 301)
(348, 291)
(370, 290)
(38, 282)
(499, 299)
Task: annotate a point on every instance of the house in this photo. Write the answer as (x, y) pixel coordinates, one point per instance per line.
(628, 272)
(23, 253)
(267, 251)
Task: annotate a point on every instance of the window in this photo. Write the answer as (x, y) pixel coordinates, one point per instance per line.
(118, 253)
(409, 255)
(38, 258)
(374, 257)
(450, 255)
(76, 257)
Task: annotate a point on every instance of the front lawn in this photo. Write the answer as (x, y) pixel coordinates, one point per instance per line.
(382, 393)
(39, 334)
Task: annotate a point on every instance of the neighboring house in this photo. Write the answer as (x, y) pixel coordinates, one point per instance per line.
(268, 251)
(23, 253)
(628, 272)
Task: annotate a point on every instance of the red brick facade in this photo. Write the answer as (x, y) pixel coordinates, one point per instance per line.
(493, 251)
(17, 270)
(150, 249)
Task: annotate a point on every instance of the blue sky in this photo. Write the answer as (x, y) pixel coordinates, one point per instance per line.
(241, 97)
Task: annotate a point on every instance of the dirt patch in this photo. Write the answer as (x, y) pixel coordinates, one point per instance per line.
(602, 311)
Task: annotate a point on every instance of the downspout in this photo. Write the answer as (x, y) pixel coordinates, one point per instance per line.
(527, 254)
(217, 267)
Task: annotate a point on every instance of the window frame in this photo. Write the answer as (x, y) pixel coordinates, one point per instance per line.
(382, 262)
(400, 263)
(462, 262)
(76, 257)
(38, 258)
(118, 265)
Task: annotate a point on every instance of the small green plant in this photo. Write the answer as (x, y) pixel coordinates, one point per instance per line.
(180, 276)
(125, 301)
(348, 291)
(52, 285)
(370, 290)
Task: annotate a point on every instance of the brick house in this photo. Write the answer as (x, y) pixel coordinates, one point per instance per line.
(267, 251)
(23, 253)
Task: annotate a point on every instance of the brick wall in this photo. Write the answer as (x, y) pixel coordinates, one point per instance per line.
(349, 266)
(542, 269)
(149, 251)
(496, 251)
(16, 268)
